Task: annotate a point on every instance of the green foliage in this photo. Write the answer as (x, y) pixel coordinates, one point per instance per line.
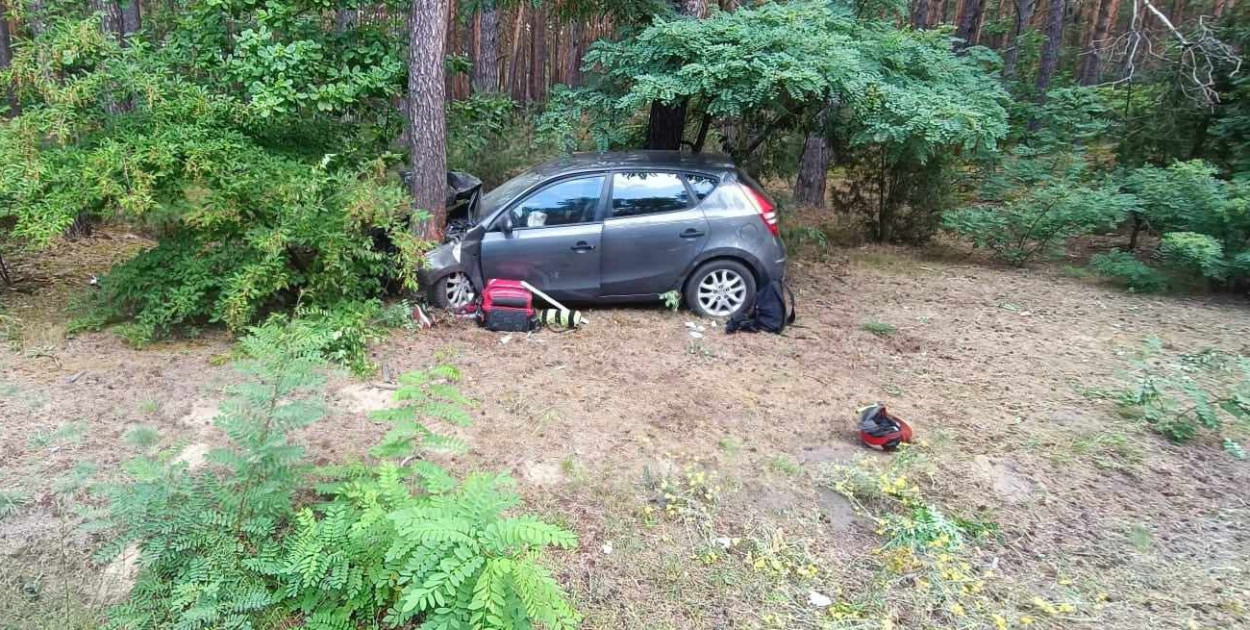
(1179, 398)
(142, 436)
(880, 329)
(203, 535)
(899, 96)
(429, 394)
(246, 543)
(1187, 197)
(1040, 220)
(233, 146)
(1126, 268)
(671, 299)
(12, 502)
(1194, 252)
(340, 335)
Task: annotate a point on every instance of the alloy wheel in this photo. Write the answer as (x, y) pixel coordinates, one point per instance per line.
(722, 292)
(458, 289)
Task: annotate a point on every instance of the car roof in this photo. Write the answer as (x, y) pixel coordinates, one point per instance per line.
(676, 160)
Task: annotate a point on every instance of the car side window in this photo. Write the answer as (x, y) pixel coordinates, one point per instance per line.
(702, 185)
(564, 203)
(636, 194)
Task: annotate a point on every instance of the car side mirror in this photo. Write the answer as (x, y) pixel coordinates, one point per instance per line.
(507, 223)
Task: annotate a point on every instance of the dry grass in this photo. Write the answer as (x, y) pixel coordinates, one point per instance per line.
(995, 368)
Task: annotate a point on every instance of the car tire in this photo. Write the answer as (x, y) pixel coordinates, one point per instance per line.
(443, 291)
(720, 289)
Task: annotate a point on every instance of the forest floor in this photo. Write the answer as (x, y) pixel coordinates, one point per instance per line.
(1089, 520)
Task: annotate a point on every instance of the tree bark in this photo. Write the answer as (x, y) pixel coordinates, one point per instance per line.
(809, 188)
(1023, 14)
(346, 19)
(6, 60)
(516, 83)
(111, 17)
(969, 23)
(538, 54)
(427, 124)
(696, 9)
(920, 15)
(486, 66)
(1050, 50)
(131, 19)
(665, 127)
(573, 55)
(1090, 72)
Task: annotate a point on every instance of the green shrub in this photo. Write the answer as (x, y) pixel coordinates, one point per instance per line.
(1195, 253)
(1181, 398)
(1127, 269)
(340, 335)
(261, 539)
(1040, 220)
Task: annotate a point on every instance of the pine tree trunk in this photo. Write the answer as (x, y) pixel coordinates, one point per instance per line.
(573, 55)
(110, 16)
(1090, 72)
(538, 54)
(132, 19)
(969, 23)
(516, 82)
(1023, 13)
(1050, 49)
(427, 132)
(6, 59)
(486, 68)
(346, 19)
(920, 15)
(809, 189)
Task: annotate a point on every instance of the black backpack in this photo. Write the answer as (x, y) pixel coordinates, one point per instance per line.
(771, 312)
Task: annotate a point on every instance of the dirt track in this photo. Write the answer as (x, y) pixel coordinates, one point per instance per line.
(992, 366)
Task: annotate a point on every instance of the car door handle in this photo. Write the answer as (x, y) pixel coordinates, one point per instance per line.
(691, 233)
(582, 246)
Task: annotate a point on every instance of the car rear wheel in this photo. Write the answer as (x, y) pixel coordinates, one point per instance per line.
(721, 288)
(453, 290)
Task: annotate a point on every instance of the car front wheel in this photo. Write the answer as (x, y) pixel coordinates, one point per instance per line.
(453, 291)
(720, 288)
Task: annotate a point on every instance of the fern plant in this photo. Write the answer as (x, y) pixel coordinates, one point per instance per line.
(403, 543)
(202, 536)
(428, 394)
(399, 544)
(394, 548)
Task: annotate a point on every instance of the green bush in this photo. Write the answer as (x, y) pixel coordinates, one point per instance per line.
(1126, 268)
(1193, 252)
(1040, 220)
(339, 335)
(261, 539)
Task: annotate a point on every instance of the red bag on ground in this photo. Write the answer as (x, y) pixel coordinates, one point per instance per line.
(507, 306)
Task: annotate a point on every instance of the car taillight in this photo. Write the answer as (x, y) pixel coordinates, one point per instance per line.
(767, 212)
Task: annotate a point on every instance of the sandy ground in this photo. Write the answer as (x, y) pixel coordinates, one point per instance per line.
(993, 367)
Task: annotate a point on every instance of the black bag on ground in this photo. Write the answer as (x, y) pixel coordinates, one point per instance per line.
(772, 312)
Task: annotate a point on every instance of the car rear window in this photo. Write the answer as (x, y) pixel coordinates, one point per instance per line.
(702, 185)
(636, 194)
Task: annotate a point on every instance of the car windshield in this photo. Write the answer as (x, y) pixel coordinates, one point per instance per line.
(506, 192)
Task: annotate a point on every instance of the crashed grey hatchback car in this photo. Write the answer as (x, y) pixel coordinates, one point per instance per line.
(617, 227)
